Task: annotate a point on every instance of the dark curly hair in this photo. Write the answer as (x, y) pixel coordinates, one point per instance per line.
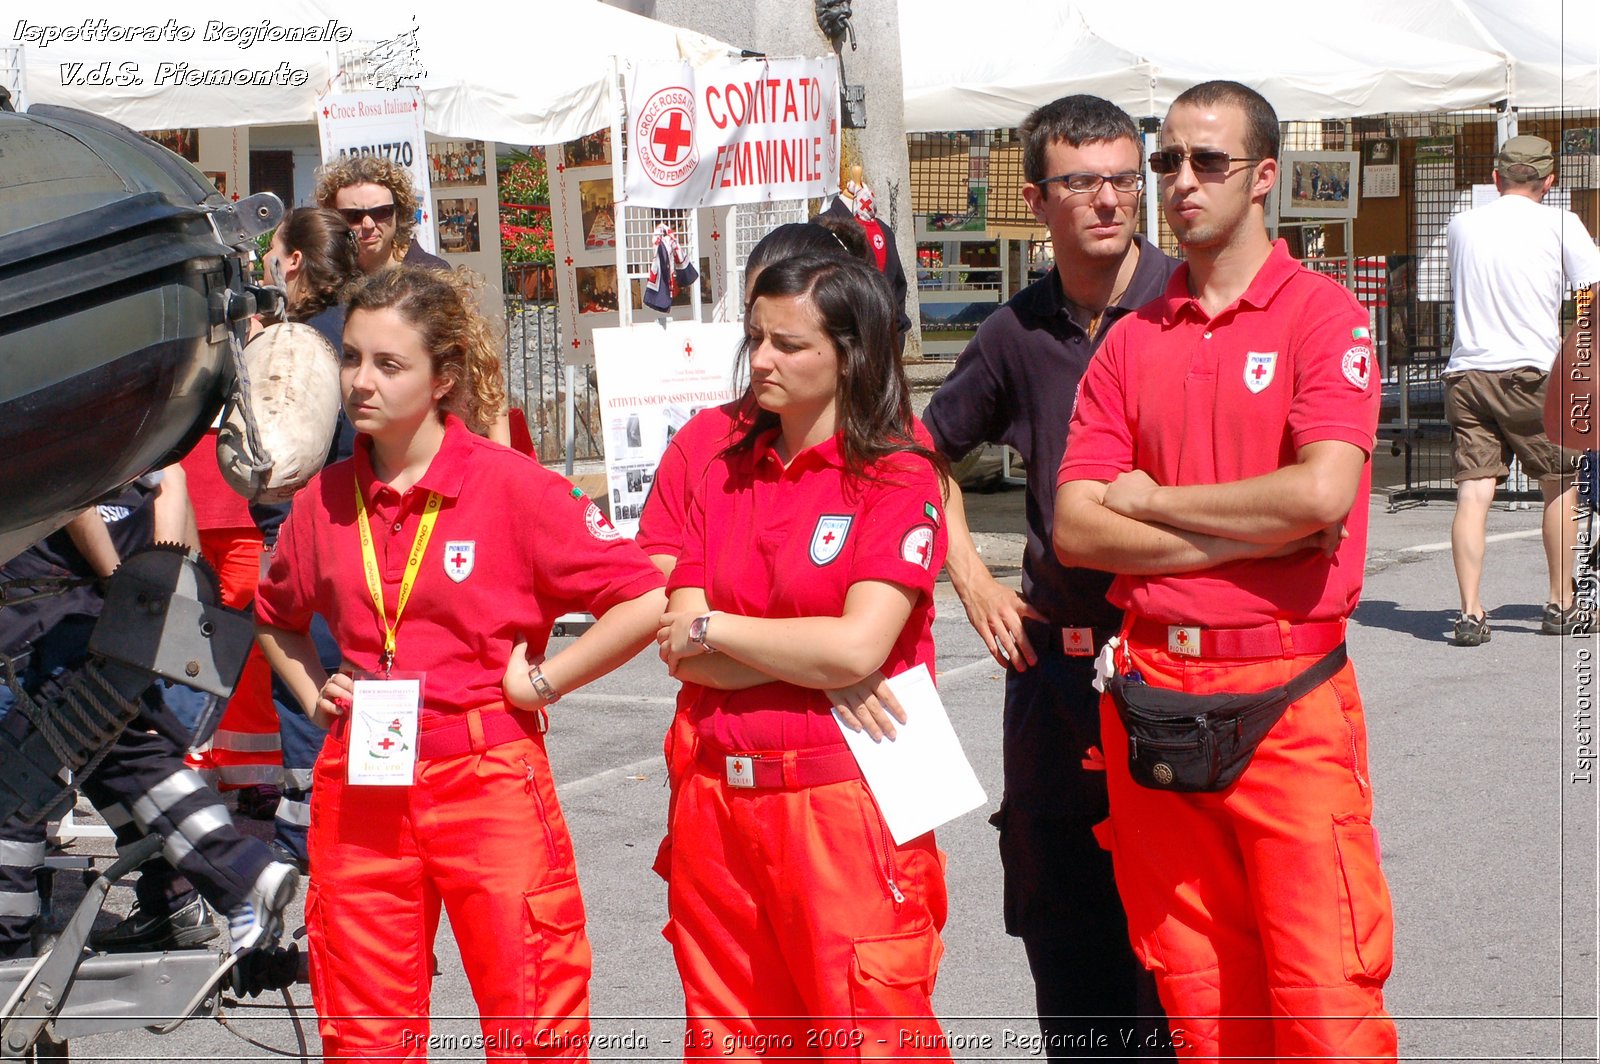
(372, 170)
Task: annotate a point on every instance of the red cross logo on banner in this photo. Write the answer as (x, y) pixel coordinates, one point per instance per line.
(672, 139)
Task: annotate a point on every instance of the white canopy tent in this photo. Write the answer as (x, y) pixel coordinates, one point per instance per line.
(1305, 59)
(1555, 45)
(530, 74)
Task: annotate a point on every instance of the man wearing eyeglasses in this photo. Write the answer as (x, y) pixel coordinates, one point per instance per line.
(378, 203)
(1218, 463)
(1014, 384)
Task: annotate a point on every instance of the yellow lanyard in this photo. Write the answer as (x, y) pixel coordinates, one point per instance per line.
(369, 564)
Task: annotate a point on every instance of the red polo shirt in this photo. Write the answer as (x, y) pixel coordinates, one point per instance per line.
(515, 546)
(689, 454)
(765, 540)
(1195, 400)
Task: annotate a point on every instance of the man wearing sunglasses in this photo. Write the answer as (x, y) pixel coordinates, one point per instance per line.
(1218, 462)
(378, 203)
(1014, 384)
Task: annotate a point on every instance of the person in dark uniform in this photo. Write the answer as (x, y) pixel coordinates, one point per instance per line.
(858, 209)
(142, 784)
(1014, 384)
(315, 253)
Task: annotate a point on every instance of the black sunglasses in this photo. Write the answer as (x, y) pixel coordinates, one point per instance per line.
(352, 215)
(1204, 161)
(1082, 181)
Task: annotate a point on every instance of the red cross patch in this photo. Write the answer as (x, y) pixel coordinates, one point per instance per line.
(459, 554)
(1357, 366)
(916, 546)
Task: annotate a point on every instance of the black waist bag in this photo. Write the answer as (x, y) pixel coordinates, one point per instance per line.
(1200, 743)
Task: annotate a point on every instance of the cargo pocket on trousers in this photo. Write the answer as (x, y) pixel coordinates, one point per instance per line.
(558, 948)
(1366, 919)
(893, 975)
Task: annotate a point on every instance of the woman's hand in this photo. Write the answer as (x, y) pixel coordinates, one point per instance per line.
(516, 684)
(673, 638)
(869, 706)
(334, 700)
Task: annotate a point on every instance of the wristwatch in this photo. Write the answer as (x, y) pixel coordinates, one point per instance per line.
(542, 687)
(699, 629)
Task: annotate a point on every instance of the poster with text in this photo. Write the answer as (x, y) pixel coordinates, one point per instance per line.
(652, 381)
(734, 131)
(386, 124)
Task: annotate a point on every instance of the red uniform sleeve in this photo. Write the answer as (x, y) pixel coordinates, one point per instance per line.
(661, 522)
(1100, 436)
(902, 536)
(284, 596)
(1336, 380)
(581, 560)
(691, 568)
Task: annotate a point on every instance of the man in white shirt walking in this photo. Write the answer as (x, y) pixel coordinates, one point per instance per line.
(1511, 263)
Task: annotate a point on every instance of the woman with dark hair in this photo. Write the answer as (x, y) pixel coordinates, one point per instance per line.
(450, 606)
(808, 563)
(316, 257)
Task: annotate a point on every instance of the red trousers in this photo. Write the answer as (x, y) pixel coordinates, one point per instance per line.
(246, 749)
(1261, 909)
(678, 747)
(800, 930)
(481, 834)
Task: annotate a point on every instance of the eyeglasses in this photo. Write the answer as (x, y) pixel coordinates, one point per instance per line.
(1082, 181)
(1204, 161)
(381, 213)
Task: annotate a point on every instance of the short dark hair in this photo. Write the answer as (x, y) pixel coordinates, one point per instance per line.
(1077, 120)
(1261, 135)
(856, 311)
(1517, 175)
(800, 238)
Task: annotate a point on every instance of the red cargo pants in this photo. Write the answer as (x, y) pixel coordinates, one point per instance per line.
(1261, 909)
(482, 834)
(801, 931)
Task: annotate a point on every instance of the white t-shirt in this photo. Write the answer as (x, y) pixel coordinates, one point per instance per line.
(1511, 264)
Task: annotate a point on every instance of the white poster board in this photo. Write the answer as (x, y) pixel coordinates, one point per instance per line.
(733, 131)
(652, 380)
(387, 124)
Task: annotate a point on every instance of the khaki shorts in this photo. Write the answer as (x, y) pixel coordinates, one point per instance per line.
(1494, 415)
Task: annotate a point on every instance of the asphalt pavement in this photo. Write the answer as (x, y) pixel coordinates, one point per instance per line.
(1485, 804)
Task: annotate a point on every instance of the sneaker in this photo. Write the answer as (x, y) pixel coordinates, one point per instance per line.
(284, 855)
(144, 931)
(1471, 631)
(1572, 620)
(258, 920)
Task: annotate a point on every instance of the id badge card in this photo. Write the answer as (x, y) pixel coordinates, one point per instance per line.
(382, 741)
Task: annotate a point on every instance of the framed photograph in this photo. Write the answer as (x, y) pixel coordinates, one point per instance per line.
(184, 142)
(1318, 184)
(220, 179)
(456, 162)
(458, 225)
(599, 215)
(1580, 141)
(593, 150)
(597, 289)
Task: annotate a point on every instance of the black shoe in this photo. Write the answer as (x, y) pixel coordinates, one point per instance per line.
(1572, 620)
(1471, 631)
(144, 932)
(258, 802)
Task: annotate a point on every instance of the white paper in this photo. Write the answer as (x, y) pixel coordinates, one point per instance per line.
(383, 732)
(922, 778)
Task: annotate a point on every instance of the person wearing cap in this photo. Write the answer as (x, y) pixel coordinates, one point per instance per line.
(1512, 262)
(1218, 461)
(1083, 163)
